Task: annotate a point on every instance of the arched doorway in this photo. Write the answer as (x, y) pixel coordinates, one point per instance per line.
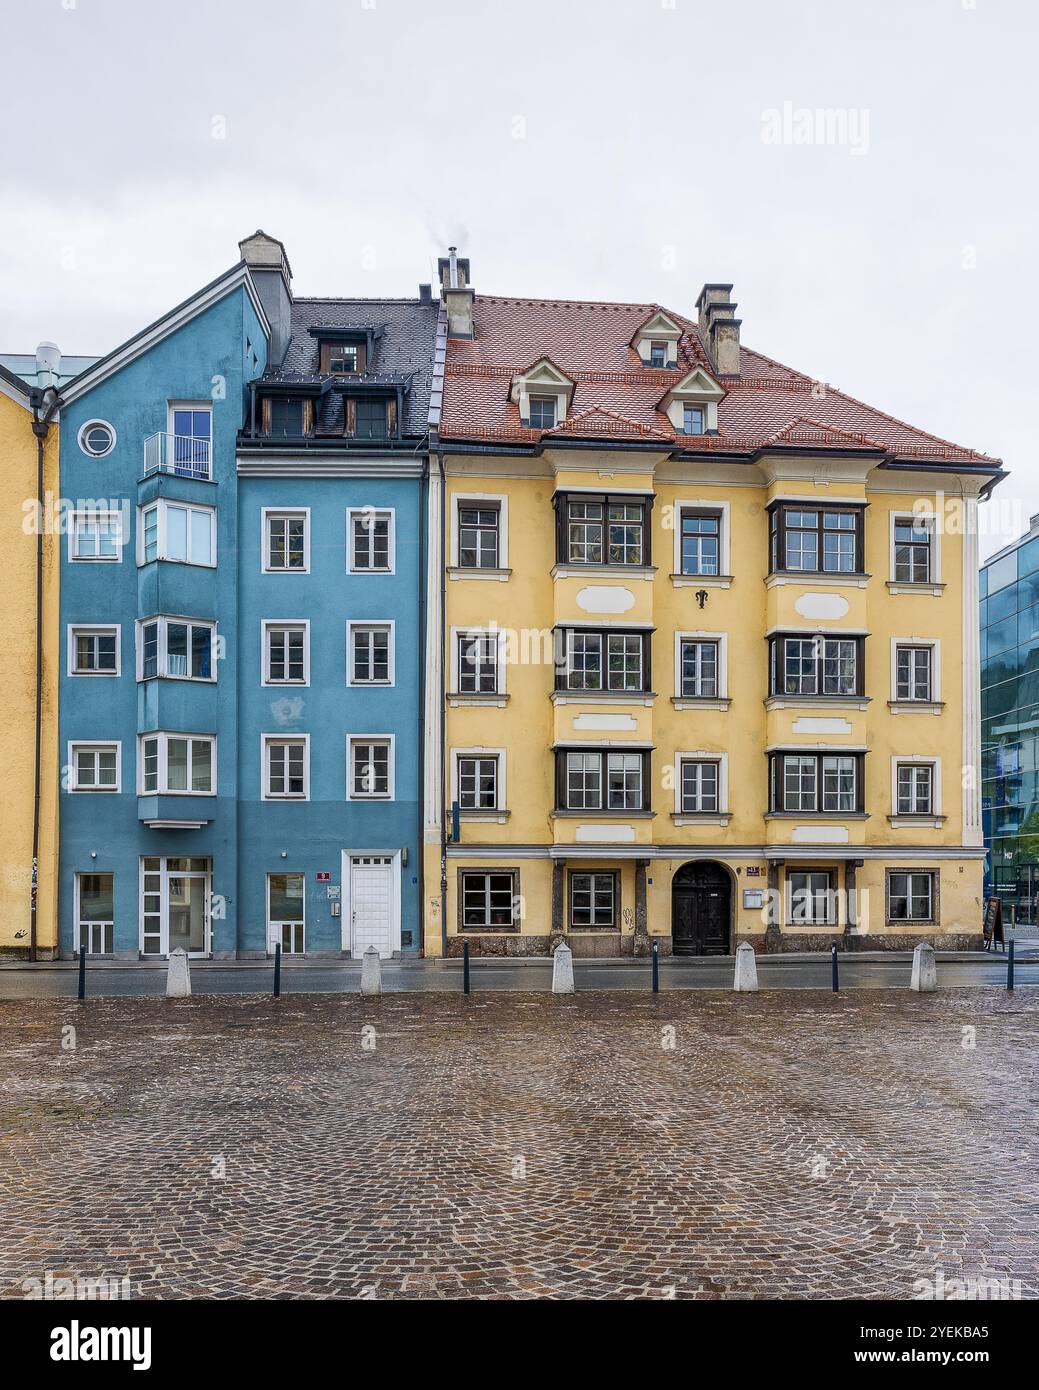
(701, 910)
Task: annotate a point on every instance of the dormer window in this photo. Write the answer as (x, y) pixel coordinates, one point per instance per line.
(658, 353)
(656, 342)
(344, 359)
(692, 419)
(542, 412)
(287, 416)
(370, 417)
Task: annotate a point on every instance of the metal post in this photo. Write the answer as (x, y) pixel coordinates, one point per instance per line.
(1010, 965)
(82, 972)
(465, 967)
(833, 967)
(277, 969)
(656, 969)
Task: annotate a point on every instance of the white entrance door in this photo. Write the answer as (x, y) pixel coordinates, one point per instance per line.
(372, 904)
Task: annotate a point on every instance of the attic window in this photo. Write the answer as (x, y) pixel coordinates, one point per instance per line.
(342, 358)
(658, 354)
(287, 416)
(542, 412)
(692, 419)
(370, 417)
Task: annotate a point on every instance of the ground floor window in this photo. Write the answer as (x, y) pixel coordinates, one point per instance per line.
(95, 916)
(285, 913)
(488, 899)
(175, 894)
(812, 897)
(593, 900)
(912, 895)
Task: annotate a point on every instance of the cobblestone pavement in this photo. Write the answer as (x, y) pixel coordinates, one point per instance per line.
(788, 1145)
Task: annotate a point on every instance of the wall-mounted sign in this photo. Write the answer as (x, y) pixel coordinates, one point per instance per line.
(323, 877)
(753, 897)
(753, 871)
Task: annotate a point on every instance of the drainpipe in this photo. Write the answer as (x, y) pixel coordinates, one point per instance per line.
(45, 401)
(423, 624)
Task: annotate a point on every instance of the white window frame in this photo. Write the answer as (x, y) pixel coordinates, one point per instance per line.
(268, 514)
(86, 514)
(163, 788)
(722, 640)
(481, 499)
(282, 923)
(702, 504)
(936, 670)
(391, 514)
(165, 873)
(266, 740)
(266, 627)
(89, 425)
(920, 760)
(163, 504)
(75, 630)
(391, 772)
(476, 631)
(106, 744)
(363, 623)
(930, 519)
(500, 789)
(703, 755)
(77, 920)
(933, 875)
(162, 656)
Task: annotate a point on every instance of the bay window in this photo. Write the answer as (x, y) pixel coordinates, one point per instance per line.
(815, 540)
(177, 764)
(600, 780)
(816, 665)
(813, 783)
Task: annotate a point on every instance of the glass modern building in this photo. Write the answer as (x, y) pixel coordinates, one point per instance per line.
(1010, 724)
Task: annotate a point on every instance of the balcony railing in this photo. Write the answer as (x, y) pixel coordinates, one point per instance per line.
(177, 453)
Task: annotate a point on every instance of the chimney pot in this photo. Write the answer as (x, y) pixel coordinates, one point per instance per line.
(456, 293)
(48, 365)
(425, 294)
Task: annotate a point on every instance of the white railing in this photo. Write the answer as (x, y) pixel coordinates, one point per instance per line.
(177, 453)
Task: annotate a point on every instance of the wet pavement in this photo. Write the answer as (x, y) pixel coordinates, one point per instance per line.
(692, 1145)
(344, 977)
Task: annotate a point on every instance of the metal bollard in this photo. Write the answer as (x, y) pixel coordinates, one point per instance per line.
(656, 969)
(1010, 965)
(834, 982)
(82, 972)
(277, 969)
(465, 967)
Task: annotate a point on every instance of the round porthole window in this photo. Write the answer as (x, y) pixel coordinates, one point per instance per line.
(97, 438)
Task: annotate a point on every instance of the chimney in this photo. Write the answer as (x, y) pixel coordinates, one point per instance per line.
(719, 328)
(425, 294)
(272, 275)
(456, 293)
(48, 366)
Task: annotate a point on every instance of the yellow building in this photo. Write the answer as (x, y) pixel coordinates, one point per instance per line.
(27, 820)
(707, 644)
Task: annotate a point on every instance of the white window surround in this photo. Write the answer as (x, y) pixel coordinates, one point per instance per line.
(389, 795)
(391, 514)
(265, 781)
(466, 499)
(104, 514)
(163, 736)
(696, 388)
(391, 626)
(700, 581)
(904, 585)
(89, 425)
(544, 378)
(469, 630)
(163, 620)
(266, 515)
(266, 626)
(721, 700)
(499, 811)
(163, 504)
(914, 818)
(73, 630)
(100, 745)
(936, 671)
(703, 755)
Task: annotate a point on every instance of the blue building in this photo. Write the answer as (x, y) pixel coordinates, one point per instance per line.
(1010, 724)
(242, 607)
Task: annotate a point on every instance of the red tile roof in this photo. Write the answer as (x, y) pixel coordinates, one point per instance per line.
(616, 396)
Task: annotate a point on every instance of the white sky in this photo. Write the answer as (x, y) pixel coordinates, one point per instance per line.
(608, 149)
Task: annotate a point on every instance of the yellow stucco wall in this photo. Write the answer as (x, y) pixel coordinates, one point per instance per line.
(18, 468)
(527, 724)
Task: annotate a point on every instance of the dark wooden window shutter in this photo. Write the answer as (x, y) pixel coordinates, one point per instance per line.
(391, 415)
(350, 411)
(265, 414)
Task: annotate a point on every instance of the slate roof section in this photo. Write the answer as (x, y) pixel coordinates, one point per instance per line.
(768, 404)
(402, 354)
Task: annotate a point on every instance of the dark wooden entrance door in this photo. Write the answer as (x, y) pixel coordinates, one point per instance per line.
(701, 910)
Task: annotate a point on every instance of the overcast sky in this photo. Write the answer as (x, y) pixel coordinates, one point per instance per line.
(614, 149)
